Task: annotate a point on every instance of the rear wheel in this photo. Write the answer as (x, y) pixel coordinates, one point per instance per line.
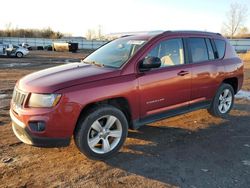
(19, 54)
(223, 101)
(101, 132)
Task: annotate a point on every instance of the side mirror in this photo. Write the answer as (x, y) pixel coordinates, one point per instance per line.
(150, 63)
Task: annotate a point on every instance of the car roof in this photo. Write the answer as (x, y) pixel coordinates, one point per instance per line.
(152, 34)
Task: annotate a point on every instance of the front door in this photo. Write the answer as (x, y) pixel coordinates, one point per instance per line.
(169, 86)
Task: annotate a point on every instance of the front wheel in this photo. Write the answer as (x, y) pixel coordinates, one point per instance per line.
(101, 132)
(223, 101)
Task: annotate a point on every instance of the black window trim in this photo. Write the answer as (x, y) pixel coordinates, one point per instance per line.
(207, 40)
(215, 49)
(186, 51)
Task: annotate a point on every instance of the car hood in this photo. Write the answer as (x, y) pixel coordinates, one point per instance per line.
(55, 78)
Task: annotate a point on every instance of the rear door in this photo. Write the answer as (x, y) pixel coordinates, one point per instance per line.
(169, 86)
(207, 69)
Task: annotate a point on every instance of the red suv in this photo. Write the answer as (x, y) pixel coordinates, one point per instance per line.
(129, 82)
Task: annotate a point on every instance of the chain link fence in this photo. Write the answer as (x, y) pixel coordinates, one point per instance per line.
(240, 45)
(43, 42)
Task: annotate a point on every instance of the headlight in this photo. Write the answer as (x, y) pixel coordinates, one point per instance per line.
(43, 100)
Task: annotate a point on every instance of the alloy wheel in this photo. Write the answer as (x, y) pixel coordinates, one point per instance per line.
(225, 101)
(104, 134)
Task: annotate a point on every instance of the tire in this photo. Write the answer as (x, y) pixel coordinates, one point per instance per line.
(19, 54)
(101, 132)
(223, 101)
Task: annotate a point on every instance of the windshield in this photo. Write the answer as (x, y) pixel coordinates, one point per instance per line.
(115, 53)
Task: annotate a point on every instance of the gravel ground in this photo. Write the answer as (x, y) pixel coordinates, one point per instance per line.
(191, 150)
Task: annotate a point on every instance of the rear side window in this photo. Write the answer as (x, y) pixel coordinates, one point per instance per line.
(221, 47)
(198, 49)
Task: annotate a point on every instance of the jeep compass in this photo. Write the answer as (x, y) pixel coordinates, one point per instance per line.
(127, 83)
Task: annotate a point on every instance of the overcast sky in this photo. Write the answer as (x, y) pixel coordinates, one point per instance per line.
(77, 16)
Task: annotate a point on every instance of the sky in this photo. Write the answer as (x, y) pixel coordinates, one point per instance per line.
(77, 16)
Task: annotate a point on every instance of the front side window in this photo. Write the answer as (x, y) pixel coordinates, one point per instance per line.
(115, 53)
(198, 49)
(169, 51)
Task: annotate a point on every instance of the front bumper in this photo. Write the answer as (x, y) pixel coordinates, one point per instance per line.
(25, 135)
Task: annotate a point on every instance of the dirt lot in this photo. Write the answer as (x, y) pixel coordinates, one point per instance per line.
(192, 150)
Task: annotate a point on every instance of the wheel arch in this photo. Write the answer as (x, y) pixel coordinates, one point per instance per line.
(19, 52)
(233, 81)
(119, 102)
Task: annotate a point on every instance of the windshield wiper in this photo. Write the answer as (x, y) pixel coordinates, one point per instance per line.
(97, 64)
(94, 63)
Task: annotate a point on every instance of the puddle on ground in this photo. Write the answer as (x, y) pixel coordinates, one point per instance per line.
(10, 65)
(246, 162)
(66, 61)
(243, 95)
(2, 96)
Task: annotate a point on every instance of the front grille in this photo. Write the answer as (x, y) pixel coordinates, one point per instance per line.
(18, 97)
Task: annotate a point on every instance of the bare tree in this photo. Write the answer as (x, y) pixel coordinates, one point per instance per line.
(100, 36)
(8, 27)
(95, 33)
(236, 17)
(16, 32)
(243, 31)
(90, 35)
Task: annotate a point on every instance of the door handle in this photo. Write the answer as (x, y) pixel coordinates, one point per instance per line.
(182, 73)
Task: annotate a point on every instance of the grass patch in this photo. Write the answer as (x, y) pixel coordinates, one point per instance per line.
(245, 56)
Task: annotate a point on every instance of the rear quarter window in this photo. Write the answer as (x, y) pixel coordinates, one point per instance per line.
(221, 47)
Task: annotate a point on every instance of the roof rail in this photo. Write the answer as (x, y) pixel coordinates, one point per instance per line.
(155, 32)
(192, 31)
(125, 36)
(168, 31)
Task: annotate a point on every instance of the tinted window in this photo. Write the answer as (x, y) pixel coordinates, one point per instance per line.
(170, 52)
(198, 49)
(210, 49)
(220, 46)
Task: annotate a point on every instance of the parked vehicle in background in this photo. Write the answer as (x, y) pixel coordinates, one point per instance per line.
(25, 45)
(13, 50)
(127, 83)
(48, 48)
(3, 49)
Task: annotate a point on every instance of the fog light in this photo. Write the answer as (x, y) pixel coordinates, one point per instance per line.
(37, 126)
